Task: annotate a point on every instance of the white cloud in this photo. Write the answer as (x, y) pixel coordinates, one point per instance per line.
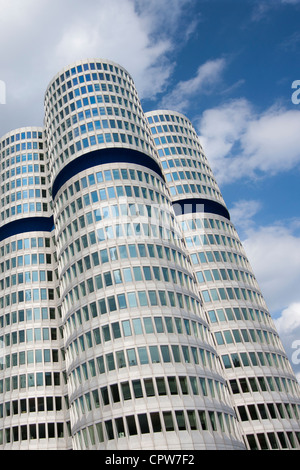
(289, 321)
(44, 36)
(288, 327)
(207, 77)
(263, 7)
(241, 143)
(242, 213)
(274, 253)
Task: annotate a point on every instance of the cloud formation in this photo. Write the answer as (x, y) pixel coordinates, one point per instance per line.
(242, 213)
(288, 327)
(38, 38)
(262, 7)
(274, 254)
(241, 143)
(207, 77)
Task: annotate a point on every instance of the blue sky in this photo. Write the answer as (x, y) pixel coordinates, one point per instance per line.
(227, 65)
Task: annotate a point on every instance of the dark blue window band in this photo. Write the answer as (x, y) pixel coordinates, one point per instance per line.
(31, 224)
(188, 206)
(100, 157)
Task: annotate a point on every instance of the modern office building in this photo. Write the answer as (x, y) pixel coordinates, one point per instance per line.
(130, 318)
(260, 378)
(33, 392)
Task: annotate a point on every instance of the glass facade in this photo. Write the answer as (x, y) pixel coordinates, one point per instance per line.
(129, 315)
(261, 381)
(34, 406)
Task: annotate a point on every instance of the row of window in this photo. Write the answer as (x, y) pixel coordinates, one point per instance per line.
(28, 432)
(24, 169)
(25, 157)
(80, 79)
(74, 113)
(29, 335)
(129, 121)
(19, 182)
(82, 84)
(146, 388)
(24, 244)
(141, 356)
(20, 136)
(58, 108)
(28, 315)
(153, 214)
(120, 252)
(35, 356)
(249, 335)
(136, 326)
(192, 188)
(185, 127)
(139, 299)
(133, 274)
(124, 209)
(28, 295)
(196, 162)
(257, 358)
(107, 137)
(21, 195)
(89, 181)
(171, 137)
(155, 422)
(26, 260)
(22, 148)
(67, 153)
(32, 405)
(221, 315)
(264, 384)
(32, 381)
(262, 411)
(204, 257)
(233, 293)
(196, 223)
(215, 275)
(212, 239)
(160, 222)
(26, 208)
(161, 227)
(187, 175)
(27, 277)
(94, 112)
(107, 67)
(273, 440)
(128, 232)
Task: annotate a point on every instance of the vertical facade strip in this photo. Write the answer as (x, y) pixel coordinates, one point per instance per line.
(33, 394)
(130, 317)
(142, 369)
(260, 378)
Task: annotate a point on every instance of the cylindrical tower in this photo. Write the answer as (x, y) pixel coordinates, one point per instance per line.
(142, 370)
(259, 375)
(33, 393)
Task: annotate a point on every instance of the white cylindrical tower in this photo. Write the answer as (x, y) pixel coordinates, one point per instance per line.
(33, 394)
(259, 375)
(142, 369)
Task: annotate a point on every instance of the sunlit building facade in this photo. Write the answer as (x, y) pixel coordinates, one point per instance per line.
(264, 389)
(121, 327)
(33, 393)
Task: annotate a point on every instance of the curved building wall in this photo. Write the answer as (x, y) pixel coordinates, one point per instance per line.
(142, 369)
(259, 375)
(33, 394)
